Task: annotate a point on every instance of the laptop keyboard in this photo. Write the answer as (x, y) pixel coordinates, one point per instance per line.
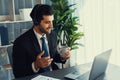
(85, 76)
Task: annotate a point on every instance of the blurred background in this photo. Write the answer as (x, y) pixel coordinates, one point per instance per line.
(99, 19)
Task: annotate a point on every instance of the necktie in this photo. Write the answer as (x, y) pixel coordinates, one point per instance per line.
(44, 47)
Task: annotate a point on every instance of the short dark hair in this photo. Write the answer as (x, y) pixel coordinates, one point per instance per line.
(39, 10)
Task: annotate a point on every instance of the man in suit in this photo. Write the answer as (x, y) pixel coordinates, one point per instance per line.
(28, 56)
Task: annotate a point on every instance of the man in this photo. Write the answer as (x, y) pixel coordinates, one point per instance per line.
(28, 56)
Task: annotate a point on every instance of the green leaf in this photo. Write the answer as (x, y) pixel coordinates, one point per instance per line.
(66, 25)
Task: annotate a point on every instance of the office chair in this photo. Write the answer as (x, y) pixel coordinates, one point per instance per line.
(9, 51)
(4, 61)
(9, 57)
(10, 62)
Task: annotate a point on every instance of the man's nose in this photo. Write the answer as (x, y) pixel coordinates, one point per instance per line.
(51, 24)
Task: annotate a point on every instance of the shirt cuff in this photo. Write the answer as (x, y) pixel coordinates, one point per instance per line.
(33, 67)
(63, 60)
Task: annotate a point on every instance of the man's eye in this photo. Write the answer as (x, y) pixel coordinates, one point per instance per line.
(47, 22)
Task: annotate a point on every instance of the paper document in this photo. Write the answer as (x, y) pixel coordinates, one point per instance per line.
(41, 77)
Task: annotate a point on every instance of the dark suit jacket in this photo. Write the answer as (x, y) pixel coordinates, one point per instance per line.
(26, 49)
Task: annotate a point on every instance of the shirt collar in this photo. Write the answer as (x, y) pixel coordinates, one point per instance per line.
(38, 35)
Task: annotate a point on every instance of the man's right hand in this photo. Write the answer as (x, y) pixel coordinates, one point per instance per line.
(42, 62)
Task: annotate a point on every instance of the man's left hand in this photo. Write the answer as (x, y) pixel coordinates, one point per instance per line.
(67, 55)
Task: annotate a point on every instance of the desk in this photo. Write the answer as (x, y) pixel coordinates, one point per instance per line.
(112, 72)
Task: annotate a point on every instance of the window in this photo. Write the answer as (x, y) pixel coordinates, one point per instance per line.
(100, 23)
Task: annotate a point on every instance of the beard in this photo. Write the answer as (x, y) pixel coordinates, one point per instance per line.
(44, 30)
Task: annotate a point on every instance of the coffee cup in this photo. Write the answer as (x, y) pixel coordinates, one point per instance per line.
(63, 50)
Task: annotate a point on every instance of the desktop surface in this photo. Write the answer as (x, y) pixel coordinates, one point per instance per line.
(112, 73)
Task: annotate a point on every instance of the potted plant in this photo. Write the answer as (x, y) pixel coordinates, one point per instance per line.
(65, 24)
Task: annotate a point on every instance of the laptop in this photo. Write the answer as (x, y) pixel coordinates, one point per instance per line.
(98, 68)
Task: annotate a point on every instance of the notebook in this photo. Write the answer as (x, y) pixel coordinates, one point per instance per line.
(98, 68)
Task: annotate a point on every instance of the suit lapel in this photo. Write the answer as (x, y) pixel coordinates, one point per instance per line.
(49, 44)
(34, 41)
(36, 44)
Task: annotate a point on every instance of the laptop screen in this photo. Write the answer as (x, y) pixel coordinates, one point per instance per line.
(99, 64)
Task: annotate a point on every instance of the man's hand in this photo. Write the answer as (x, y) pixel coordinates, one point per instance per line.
(42, 62)
(67, 55)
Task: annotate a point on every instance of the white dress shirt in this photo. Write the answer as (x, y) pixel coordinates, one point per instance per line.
(38, 36)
